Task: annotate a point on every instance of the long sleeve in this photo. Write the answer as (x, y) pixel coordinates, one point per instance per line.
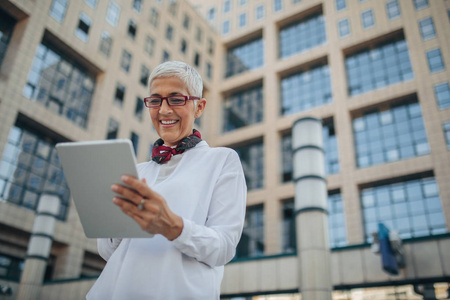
(106, 247)
(215, 242)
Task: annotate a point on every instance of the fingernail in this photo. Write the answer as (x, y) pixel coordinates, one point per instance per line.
(114, 188)
(116, 200)
(125, 178)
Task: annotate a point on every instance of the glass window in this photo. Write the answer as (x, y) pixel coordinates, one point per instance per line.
(137, 5)
(211, 13)
(154, 17)
(246, 56)
(210, 46)
(420, 4)
(252, 159)
(61, 84)
(199, 34)
(435, 61)
(82, 30)
(11, 267)
(226, 27)
(105, 43)
(242, 2)
(446, 127)
(390, 135)
(259, 13)
(132, 28)
(145, 72)
(91, 3)
(197, 59)
(368, 19)
(341, 4)
(243, 108)
(29, 167)
(119, 96)
(166, 56)
(302, 35)
(169, 32)
(288, 234)
(183, 46)
(442, 93)
(7, 24)
(336, 221)
(305, 90)
(378, 66)
(243, 20)
(149, 46)
(393, 9)
(296, 1)
(134, 137)
(58, 9)
(427, 28)
(344, 28)
(113, 129)
(252, 242)
(125, 62)
(277, 5)
(413, 208)
(208, 70)
(186, 21)
(139, 108)
(173, 8)
(226, 6)
(113, 13)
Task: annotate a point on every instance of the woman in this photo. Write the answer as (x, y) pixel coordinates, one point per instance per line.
(191, 198)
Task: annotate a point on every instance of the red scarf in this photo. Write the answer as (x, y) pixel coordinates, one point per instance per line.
(161, 153)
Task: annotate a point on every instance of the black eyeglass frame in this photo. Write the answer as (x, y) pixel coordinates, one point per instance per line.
(148, 99)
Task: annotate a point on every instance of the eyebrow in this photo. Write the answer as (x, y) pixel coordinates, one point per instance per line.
(171, 94)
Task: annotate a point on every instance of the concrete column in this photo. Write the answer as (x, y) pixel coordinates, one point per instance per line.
(39, 247)
(313, 247)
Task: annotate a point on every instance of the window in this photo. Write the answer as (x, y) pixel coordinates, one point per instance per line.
(259, 13)
(210, 46)
(82, 30)
(137, 5)
(302, 35)
(251, 243)
(336, 220)
(341, 4)
(145, 72)
(105, 43)
(134, 137)
(378, 66)
(242, 20)
(166, 56)
(132, 28)
(29, 167)
(211, 14)
(344, 28)
(296, 1)
(427, 28)
(197, 59)
(61, 84)
(246, 56)
(420, 4)
(199, 34)
(169, 32)
(183, 46)
(120, 95)
(446, 127)
(91, 3)
(58, 9)
(243, 108)
(226, 27)
(277, 5)
(368, 19)
(442, 93)
(435, 62)
(113, 13)
(208, 70)
(242, 2)
(7, 24)
(173, 8)
(288, 235)
(125, 62)
(113, 129)
(11, 267)
(305, 90)
(411, 207)
(390, 135)
(330, 147)
(149, 45)
(252, 159)
(139, 108)
(186, 21)
(226, 6)
(154, 17)
(393, 9)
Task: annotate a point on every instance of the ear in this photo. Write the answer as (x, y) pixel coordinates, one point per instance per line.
(201, 104)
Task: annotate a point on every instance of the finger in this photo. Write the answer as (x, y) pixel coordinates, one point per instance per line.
(140, 186)
(127, 193)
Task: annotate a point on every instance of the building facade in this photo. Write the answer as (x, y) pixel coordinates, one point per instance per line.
(375, 72)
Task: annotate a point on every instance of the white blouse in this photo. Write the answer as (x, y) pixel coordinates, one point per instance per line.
(206, 187)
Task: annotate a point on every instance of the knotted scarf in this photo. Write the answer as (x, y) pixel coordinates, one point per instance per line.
(162, 153)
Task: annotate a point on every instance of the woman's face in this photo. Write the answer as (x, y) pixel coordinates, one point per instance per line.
(173, 123)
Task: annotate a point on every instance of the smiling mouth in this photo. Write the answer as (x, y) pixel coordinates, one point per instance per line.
(169, 122)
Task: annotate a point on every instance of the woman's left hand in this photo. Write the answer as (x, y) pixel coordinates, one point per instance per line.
(155, 217)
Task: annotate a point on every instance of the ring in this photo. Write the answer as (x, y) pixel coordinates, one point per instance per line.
(141, 205)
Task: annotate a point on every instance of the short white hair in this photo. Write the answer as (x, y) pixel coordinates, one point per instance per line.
(181, 70)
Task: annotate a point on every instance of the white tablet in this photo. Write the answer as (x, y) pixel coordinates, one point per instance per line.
(90, 169)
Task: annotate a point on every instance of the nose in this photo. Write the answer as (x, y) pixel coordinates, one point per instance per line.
(165, 107)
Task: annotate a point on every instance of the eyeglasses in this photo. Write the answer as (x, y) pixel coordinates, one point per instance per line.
(178, 100)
